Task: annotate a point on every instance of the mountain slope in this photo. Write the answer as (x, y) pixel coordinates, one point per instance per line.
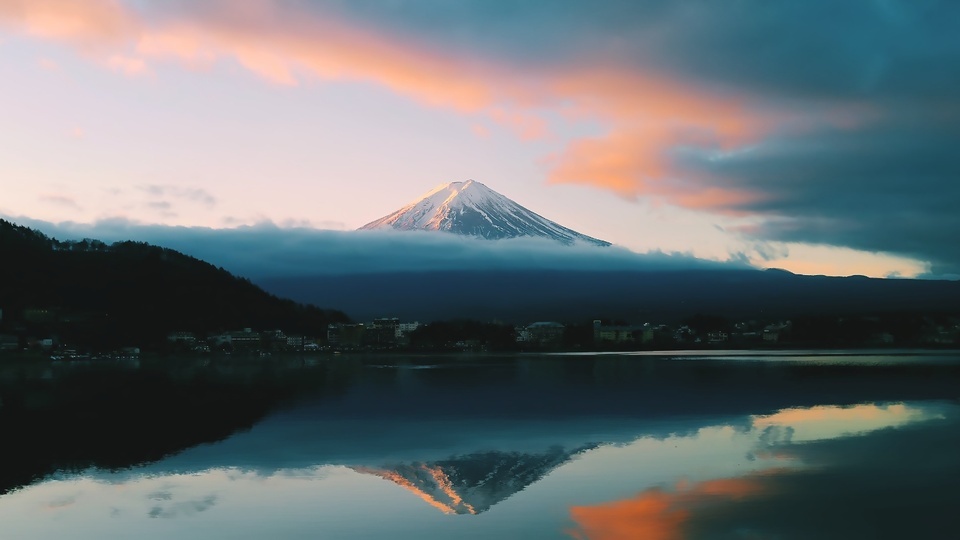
(129, 293)
(641, 296)
(473, 483)
(472, 209)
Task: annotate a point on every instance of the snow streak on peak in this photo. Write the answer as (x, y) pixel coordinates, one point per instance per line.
(471, 208)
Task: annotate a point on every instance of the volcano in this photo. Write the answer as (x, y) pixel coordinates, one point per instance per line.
(472, 209)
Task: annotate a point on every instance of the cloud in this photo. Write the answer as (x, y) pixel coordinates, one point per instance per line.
(285, 43)
(164, 208)
(860, 50)
(190, 194)
(92, 24)
(162, 495)
(48, 64)
(159, 205)
(127, 64)
(888, 186)
(840, 136)
(186, 508)
(844, 136)
(61, 200)
(62, 502)
(266, 250)
(657, 514)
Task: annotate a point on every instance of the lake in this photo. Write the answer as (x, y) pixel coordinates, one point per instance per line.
(737, 445)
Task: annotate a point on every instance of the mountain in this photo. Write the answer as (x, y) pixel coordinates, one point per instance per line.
(638, 296)
(96, 295)
(473, 483)
(472, 209)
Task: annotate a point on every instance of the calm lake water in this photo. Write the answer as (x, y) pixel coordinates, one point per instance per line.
(738, 445)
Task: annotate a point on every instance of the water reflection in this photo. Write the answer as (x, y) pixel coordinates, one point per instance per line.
(657, 514)
(588, 450)
(780, 456)
(471, 484)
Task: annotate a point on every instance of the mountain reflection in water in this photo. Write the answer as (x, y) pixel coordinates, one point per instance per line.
(587, 448)
(473, 483)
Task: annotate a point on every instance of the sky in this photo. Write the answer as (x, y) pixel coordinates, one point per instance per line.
(815, 136)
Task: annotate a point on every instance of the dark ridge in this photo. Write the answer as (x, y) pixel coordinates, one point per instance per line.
(92, 294)
(639, 296)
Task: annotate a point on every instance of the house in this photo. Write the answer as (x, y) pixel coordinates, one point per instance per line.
(185, 338)
(717, 337)
(404, 329)
(621, 333)
(544, 333)
(273, 340)
(245, 339)
(346, 335)
(772, 332)
(382, 331)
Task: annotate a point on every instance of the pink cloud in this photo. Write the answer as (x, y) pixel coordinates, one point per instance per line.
(127, 64)
(480, 130)
(91, 23)
(48, 64)
(647, 114)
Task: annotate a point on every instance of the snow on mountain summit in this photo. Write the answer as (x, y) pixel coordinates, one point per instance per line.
(472, 209)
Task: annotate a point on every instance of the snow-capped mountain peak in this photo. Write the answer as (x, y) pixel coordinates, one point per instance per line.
(471, 208)
(473, 483)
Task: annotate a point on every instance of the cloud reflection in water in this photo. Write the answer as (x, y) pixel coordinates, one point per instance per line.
(797, 498)
(721, 479)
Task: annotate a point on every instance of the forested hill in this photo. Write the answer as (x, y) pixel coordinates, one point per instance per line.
(131, 293)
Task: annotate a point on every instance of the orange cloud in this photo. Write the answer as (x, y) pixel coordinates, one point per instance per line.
(648, 114)
(88, 23)
(651, 116)
(832, 413)
(284, 47)
(656, 514)
(650, 516)
(128, 65)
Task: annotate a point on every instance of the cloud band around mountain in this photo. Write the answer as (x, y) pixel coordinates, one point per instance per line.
(268, 251)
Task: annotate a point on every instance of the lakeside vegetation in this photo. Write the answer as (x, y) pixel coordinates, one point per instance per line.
(102, 297)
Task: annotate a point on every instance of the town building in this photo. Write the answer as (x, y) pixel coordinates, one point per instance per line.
(346, 335)
(404, 329)
(185, 338)
(622, 333)
(543, 333)
(240, 340)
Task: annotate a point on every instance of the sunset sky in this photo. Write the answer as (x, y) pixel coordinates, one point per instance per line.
(816, 136)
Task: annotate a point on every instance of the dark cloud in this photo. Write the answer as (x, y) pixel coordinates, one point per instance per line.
(890, 186)
(791, 48)
(270, 251)
(878, 171)
(845, 113)
(849, 488)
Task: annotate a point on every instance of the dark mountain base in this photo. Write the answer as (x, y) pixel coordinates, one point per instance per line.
(528, 295)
